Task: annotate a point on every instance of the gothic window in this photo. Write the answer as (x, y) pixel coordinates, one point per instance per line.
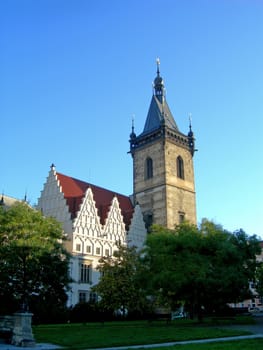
(180, 167)
(98, 251)
(84, 272)
(88, 249)
(78, 247)
(148, 168)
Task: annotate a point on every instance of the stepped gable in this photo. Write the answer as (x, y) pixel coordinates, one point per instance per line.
(74, 191)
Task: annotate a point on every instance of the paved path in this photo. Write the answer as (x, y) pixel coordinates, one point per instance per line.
(37, 347)
(256, 328)
(212, 340)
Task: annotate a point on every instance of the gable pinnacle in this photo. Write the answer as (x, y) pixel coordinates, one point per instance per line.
(2, 202)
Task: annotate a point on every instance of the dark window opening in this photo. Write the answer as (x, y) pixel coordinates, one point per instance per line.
(148, 219)
(180, 167)
(83, 297)
(181, 217)
(148, 168)
(85, 273)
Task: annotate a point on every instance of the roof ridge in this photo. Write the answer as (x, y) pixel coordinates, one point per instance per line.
(92, 185)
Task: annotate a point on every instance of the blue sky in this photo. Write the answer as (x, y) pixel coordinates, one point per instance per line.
(72, 74)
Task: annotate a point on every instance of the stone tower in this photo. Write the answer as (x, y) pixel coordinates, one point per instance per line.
(163, 173)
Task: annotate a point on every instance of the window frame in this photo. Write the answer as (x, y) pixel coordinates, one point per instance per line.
(85, 271)
(180, 167)
(148, 168)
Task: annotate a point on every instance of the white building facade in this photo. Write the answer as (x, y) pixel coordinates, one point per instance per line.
(94, 221)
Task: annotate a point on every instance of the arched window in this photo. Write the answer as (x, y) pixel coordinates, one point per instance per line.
(148, 168)
(180, 167)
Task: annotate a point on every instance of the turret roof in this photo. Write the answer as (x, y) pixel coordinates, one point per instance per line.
(159, 114)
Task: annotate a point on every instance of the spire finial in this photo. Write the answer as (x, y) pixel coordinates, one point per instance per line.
(133, 116)
(159, 84)
(133, 135)
(190, 121)
(158, 66)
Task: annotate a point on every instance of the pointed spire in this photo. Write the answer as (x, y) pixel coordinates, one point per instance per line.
(159, 89)
(191, 139)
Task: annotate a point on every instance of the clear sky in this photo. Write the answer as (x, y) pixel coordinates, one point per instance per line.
(73, 72)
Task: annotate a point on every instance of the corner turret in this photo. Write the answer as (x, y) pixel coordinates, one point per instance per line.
(191, 139)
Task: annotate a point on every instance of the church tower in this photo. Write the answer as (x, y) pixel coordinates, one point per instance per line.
(163, 173)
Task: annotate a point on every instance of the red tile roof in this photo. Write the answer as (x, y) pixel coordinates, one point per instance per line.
(74, 191)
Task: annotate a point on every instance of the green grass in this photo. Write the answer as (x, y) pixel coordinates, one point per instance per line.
(95, 335)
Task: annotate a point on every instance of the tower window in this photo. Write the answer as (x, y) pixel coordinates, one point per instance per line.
(148, 168)
(180, 167)
(181, 217)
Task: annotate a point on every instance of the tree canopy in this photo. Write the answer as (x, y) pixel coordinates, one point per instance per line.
(204, 267)
(119, 287)
(259, 279)
(33, 261)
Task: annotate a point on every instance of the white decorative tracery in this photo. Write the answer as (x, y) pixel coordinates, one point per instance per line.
(114, 228)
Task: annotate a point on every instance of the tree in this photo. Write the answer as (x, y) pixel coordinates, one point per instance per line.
(119, 287)
(175, 269)
(204, 268)
(259, 279)
(33, 262)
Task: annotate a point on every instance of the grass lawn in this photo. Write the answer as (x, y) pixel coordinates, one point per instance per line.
(95, 335)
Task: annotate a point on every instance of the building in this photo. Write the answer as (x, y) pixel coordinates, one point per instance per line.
(254, 304)
(163, 173)
(95, 219)
(7, 201)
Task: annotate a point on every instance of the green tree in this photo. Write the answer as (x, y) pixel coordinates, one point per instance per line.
(232, 265)
(33, 262)
(175, 269)
(259, 279)
(204, 268)
(119, 286)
